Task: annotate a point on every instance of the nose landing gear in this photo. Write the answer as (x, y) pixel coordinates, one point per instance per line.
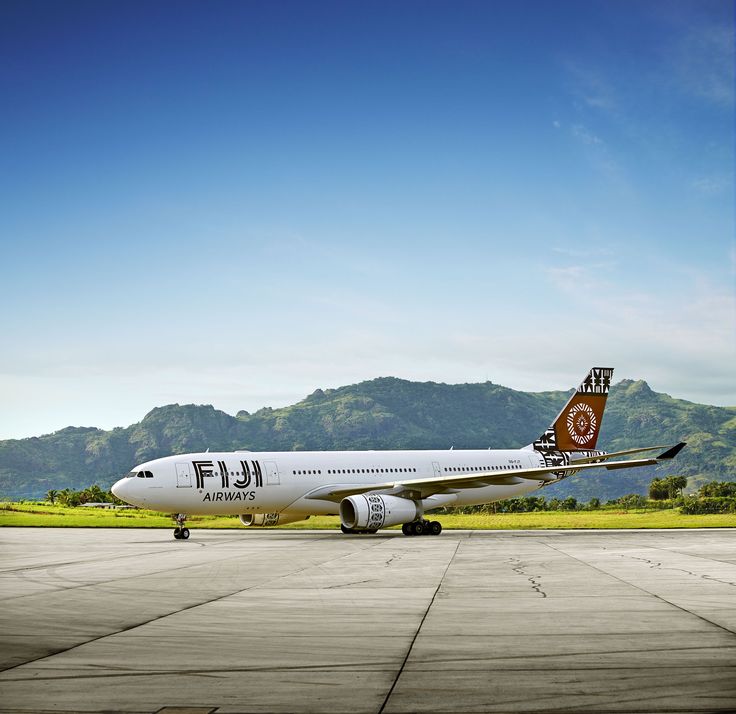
(422, 527)
(181, 533)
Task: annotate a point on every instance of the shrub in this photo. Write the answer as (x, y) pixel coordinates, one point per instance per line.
(631, 500)
(713, 504)
(718, 489)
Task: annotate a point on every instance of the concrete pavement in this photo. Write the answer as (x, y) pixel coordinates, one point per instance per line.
(315, 621)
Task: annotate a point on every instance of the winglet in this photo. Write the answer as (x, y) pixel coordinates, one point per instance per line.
(671, 453)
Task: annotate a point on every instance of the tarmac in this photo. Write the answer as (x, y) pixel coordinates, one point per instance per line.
(132, 620)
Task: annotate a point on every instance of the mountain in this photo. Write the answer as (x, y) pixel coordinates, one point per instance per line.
(385, 413)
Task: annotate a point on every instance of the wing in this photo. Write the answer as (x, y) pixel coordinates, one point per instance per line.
(423, 487)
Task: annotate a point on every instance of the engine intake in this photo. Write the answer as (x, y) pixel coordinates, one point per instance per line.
(371, 511)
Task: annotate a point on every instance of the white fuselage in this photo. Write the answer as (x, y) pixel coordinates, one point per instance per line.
(244, 482)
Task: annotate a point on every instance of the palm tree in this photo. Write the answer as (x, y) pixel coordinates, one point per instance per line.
(51, 495)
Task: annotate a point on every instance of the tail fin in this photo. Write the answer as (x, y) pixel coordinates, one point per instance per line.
(577, 425)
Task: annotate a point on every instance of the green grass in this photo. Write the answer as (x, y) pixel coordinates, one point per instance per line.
(45, 514)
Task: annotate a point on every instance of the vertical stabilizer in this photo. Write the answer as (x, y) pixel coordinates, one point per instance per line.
(578, 424)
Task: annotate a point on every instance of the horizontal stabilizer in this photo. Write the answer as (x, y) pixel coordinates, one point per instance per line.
(574, 458)
(671, 453)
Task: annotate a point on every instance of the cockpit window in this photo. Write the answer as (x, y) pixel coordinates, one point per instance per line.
(149, 474)
(141, 474)
(130, 475)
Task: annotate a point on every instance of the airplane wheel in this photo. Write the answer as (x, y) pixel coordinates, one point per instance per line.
(345, 529)
(417, 528)
(406, 529)
(184, 533)
(177, 533)
(435, 528)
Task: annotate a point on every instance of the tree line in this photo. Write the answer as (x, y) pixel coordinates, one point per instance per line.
(90, 494)
(713, 497)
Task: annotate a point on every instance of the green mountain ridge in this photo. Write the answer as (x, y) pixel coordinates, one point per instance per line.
(385, 413)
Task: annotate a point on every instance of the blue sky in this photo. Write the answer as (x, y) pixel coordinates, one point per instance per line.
(236, 203)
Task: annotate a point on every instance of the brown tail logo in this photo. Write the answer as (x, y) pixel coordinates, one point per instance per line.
(578, 424)
(581, 424)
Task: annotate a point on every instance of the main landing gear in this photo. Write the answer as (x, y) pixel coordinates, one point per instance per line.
(422, 527)
(180, 533)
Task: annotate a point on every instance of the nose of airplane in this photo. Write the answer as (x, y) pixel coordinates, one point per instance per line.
(118, 489)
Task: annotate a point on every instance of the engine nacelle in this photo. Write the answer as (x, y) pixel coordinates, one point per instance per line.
(264, 520)
(371, 511)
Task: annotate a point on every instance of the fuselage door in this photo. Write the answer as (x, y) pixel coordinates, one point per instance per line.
(437, 469)
(272, 473)
(183, 476)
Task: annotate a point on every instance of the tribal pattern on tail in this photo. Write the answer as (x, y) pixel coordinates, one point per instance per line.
(577, 426)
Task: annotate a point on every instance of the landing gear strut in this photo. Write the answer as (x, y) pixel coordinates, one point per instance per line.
(422, 527)
(181, 533)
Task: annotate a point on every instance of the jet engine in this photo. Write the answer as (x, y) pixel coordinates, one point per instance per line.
(264, 520)
(371, 511)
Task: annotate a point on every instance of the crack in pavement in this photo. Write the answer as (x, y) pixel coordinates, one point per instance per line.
(519, 569)
(658, 564)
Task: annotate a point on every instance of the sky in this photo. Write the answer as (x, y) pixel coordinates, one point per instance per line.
(237, 203)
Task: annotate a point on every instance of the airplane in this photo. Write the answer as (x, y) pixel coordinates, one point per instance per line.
(370, 490)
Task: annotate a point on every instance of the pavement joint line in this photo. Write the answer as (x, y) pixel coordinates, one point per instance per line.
(52, 567)
(644, 590)
(640, 699)
(693, 555)
(183, 609)
(162, 544)
(103, 583)
(416, 634)
(91, 561)
(356, 667)
(659, 565)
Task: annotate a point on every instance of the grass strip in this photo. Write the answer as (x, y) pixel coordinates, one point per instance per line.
(39, 514)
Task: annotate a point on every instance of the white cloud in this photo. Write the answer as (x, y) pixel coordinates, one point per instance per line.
(590, 88)
(586, 136)
(712, 184)
(601, 158)
(682, 341)
(702, 60)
